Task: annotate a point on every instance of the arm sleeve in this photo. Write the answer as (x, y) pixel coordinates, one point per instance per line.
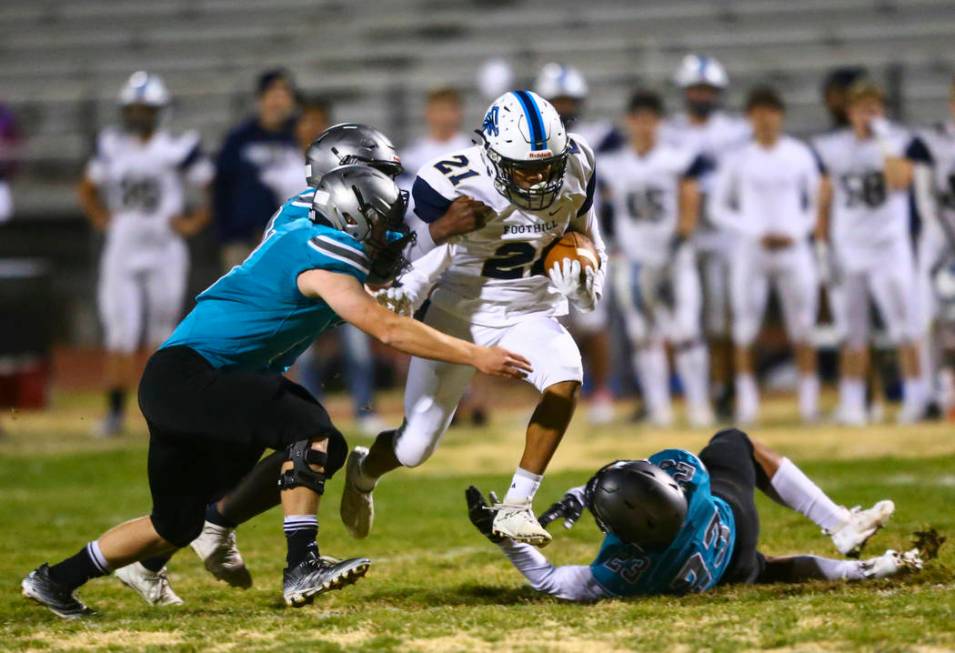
(195, 166)
(586, 222)
(918, 152)
(425, 272)
(429, 204)
(226, 166)
(699, 167)
(723, 203)
(96, 166)
(810, 205)
(570, 582)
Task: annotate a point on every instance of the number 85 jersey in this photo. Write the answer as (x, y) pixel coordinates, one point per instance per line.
(495, 276)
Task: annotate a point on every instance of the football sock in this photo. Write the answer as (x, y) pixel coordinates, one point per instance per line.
(692, 364)
(747, 397)
(86, 564)
(213, 516)
(116, 400)
(523, 486)
(651, 368)
(808, 396)
(809, 567)
(798, 492)
(913, 392)
(852, 394)
(156, 564)
(300, 534)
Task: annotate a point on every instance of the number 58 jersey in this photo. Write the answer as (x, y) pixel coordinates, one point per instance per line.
(495, 276)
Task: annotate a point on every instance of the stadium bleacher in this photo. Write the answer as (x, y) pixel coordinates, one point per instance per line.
(61, 62)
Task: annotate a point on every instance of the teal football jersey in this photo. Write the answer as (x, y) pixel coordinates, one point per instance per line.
(254, 318)
(697, 558)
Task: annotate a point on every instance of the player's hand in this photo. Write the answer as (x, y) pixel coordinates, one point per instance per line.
(774, 242)
(579, 286)
(497, 361)
(396, 299)
(480, 513)
(462, 217)
(185, 226)
(101, 220)
(569, 507)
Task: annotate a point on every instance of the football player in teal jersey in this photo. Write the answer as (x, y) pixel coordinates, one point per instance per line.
(678, 523)
(215, 398)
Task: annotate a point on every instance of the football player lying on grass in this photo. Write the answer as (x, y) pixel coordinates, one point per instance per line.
(679, 523)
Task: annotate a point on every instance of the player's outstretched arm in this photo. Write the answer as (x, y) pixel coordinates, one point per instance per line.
(348, 298)
(92, 205)
(569, 582)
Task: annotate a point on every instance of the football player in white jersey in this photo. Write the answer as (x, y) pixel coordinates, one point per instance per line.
(711, 131)
(934, 185)
(655, 198)
(766, 192)
(867, 173)
(135, 191)
(566, 89)
(538, 182)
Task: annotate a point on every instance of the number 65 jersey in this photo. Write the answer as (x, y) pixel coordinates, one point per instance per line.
(495, 276)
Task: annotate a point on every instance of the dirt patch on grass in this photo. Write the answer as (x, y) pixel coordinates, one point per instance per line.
(93, 640)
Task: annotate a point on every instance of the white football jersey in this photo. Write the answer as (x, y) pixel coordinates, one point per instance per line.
(644, 193)
(940, 142)
(866, 217)
(420, 152)
(144, 185)
(760, 191)
(494, 276)
(712, 139)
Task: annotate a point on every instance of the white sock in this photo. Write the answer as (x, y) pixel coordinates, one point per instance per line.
(96, 555)
(852, 394)
(651, 366)
(797, 491)
(693, 365)
(913, 393)
(524, 486)
(747, 397)
(811, 567)
(808, 396)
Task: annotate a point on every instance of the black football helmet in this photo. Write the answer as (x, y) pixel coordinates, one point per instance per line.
(638, 502)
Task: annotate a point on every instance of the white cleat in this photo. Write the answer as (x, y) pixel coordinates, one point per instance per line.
(357, 509)
(516, 521)
(860, 526)
(109, 427)
(601, 410)
(217, 549)
(153, 586)
(700, 416)
(891, 563)
(911, 413)
(850, 417)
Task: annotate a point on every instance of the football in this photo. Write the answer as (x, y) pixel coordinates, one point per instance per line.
(572, 245)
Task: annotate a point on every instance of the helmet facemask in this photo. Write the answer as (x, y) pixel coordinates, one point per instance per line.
(388, 239)
(509, 172)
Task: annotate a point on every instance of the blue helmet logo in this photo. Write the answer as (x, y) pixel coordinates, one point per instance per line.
(490, 122)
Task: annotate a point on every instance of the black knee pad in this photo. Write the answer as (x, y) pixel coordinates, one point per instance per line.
(303, 457)
(733, 435)
(180, 527)
(336, 455)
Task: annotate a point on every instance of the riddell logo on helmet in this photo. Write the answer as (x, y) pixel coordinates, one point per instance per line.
(540, 154)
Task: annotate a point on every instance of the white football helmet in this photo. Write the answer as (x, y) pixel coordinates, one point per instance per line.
(701, 70)
(525, 139)
(557, 80)
(144, 88)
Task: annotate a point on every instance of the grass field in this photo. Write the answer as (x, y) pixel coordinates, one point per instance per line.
(437, 585)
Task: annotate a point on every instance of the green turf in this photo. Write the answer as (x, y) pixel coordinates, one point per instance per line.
(437, 585)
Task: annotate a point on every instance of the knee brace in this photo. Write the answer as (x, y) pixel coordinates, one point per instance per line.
(303, 458)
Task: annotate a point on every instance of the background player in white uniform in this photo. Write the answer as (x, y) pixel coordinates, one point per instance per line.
(655, 197)
(135, 190)
(566, 89)
(868, 174)
(538, 183)
(935, 196)
(443, 118)
(710, 131)
(766, 192)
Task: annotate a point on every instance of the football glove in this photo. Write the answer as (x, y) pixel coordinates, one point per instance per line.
(569, 507)
(581, 289)
(480, 513)
(396, 299)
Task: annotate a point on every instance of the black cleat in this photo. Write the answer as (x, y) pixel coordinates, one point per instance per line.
(39, 587)
(316, 575)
